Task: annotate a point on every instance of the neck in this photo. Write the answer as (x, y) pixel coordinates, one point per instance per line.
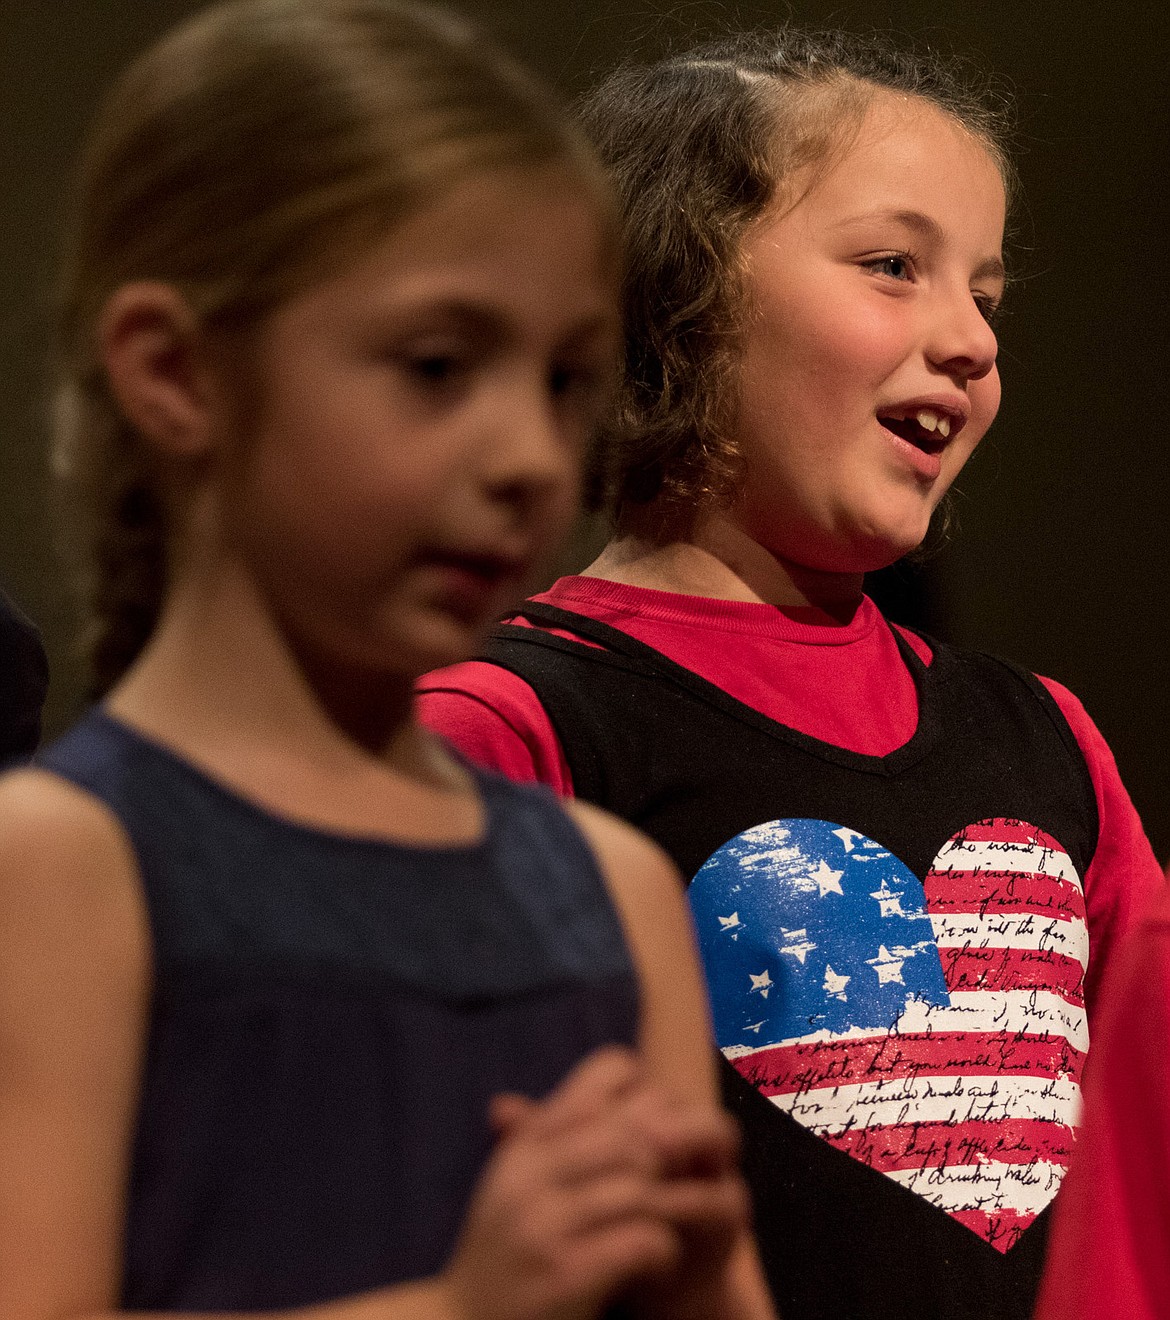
(716, 560)
(221, 682)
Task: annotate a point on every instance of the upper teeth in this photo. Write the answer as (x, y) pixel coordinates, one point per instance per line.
(931, 421)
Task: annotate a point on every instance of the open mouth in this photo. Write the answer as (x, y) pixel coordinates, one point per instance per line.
(925, 429)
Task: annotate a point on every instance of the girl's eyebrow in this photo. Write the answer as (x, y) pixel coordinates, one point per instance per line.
(486, 319)
(927, 228)
(473, 314)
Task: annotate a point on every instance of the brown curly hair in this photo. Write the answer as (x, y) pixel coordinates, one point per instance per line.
(252, 150)
(698, 145)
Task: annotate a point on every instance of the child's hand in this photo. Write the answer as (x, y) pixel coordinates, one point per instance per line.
(589, 1191)
(701, 1196)
(606, 1184)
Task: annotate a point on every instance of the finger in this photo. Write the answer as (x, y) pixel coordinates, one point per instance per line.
(508, 1110)
(618, 1256)
(718, 1209)
(598, 1082)
(690, 1139)
(640, 1129)
(562, 1162)
(619, 1196)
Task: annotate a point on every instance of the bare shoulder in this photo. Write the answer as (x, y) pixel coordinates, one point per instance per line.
(47, 822)
(648, 892)
(629, 859)
(643, 882)
(74, 994)
(68, 879)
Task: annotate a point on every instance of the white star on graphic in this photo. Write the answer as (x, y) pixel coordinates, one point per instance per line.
(755, 1026)
(835, 983)
(828, 880)
(847, 836)
(889, 900)
(800, 946)
(762, 983)
(729, 923)
(888, 967)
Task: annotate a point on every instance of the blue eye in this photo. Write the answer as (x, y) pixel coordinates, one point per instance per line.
(895, 266)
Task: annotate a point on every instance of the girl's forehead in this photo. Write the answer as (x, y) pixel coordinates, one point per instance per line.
(499, 208)
(524, 252)
(481, 220)
(910, 135)
(897, 148)
(507, 223)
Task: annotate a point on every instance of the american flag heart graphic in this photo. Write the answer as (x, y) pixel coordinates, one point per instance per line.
(933, 1030)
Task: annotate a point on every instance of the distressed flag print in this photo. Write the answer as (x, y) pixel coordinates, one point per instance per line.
(933, 1030)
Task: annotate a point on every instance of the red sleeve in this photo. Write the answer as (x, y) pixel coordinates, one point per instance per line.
(496, 720)
(1108, 1256)
(1124, 875)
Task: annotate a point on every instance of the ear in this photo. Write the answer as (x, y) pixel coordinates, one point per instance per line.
(151, 344)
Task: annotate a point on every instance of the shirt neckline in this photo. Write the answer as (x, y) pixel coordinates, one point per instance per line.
(753, 618)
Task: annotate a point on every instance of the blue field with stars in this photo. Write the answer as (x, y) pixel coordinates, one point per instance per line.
(807, 926)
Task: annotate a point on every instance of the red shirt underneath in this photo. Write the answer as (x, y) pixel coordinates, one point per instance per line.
(845, 684)
(1109, 1253)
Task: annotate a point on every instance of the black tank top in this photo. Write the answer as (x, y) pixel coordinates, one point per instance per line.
(895, 948)
(330, 1018)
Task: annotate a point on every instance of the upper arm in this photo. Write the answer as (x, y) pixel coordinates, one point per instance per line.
(675, 1041)
(495, 719)
(74, 976)
(1124, 876)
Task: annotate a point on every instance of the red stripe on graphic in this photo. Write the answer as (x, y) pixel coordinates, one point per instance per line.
(806, 1066)
(991, 893)
(1002, 830)
(940, 1145)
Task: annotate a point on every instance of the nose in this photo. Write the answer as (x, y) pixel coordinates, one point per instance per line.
(530, 462)
(963, 344)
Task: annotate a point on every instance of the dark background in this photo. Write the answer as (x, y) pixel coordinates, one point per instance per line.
(1059, 560)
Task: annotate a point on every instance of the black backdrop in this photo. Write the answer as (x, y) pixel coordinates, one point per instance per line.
(1060, 559)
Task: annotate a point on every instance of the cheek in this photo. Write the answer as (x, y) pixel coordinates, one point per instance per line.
(833, 346)
(867, 341)
(558, 516)
(985, 396)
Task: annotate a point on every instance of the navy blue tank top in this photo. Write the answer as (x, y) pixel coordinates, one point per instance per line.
(330, 1018)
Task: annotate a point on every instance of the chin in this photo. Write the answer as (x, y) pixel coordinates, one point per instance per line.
(869, 550)
(402, 656)
(444, 642)
(890, 554)
(879, 546)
